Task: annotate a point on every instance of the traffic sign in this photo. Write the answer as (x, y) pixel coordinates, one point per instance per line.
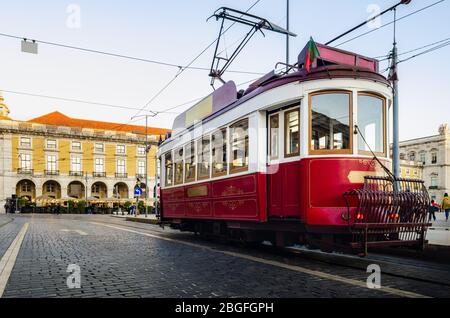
(138, 191)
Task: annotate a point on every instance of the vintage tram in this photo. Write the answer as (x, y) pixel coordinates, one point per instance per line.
(298, 157)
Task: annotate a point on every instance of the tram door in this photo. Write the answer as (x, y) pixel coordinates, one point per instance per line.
(283, 163)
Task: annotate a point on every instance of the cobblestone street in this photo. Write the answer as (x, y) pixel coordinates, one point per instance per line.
(122, 259)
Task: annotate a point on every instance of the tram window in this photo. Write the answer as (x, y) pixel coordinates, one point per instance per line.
(219, 152)
(203, 155)
(169, 170)
(239, 146)
(190, 162)
(274, 136)
(371, 124)
(330, 123)
(292, 133)
(178, 166)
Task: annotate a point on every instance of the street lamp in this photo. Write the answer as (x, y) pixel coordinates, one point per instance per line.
(147, 150)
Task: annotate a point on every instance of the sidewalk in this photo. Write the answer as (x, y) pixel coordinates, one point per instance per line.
(150, 219)
(439, 233)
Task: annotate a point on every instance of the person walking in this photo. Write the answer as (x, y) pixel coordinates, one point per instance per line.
(433, 208)
(446, 206)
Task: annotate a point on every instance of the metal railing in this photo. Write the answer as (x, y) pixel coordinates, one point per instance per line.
(76, 173)
(122, 175)
(51, 172)
(25, 171)
(99, 174)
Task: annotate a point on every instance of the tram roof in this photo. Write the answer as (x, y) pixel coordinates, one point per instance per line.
(332, 64)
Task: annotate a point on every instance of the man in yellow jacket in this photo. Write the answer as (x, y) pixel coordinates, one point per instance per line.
(446, 206)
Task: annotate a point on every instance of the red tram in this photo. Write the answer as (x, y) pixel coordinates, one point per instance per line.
(298, 157)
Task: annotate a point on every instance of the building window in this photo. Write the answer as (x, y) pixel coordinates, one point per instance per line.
(76, 164)
(25, 142)
(76, 146)
(51, 144)
(423, 157)
(412, 156)
(99, 165)
(50, 187)
(371, 124)
(121, 166)
(408, 173)
(274, 136)
(169, 170)
(190, 162)
(434, 181)
(204, 156)
(402, 156)
(178, 166)
(120, 149)
(434, 158)
(51, 163)
(25, 161)
(26, 187)
(141, 150)
(330, 126)
(141, 168)
(99, 148)
(292, 133)
(239, 143)
(219, 152)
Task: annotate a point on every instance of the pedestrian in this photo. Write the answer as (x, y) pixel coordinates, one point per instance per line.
(58, 209)
(6, 207)
(432, 209)
(446, 206)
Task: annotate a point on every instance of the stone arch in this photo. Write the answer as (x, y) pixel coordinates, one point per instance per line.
(26, 189)
(76, 190)
(99, 190)
(121, 191)
(51, 189)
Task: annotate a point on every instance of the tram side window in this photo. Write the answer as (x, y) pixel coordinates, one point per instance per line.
(292, 133)
(274, 136)
(330, 123)
(219, 152)
(169, 170)
(204, 155)
(178, 166)
(371, 124)
(239, 141)
(190, 162)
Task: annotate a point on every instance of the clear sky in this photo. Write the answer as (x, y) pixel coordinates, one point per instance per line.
(176, 31)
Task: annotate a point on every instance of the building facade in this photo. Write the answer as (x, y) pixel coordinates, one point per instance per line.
(62, 158)
(428, 158)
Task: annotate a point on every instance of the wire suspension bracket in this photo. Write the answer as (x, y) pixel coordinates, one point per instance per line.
(220, 64)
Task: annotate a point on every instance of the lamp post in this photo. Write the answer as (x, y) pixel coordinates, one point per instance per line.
(147, 150)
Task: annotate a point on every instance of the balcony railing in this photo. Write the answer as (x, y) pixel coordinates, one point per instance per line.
(122, 175)
(140, 176)
(25, 171)
(51, 172)
(76, 173)
(99, 174)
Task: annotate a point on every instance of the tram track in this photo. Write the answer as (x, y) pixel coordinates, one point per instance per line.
(291, 256)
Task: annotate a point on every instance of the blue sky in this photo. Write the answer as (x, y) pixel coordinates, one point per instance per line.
(175, 31)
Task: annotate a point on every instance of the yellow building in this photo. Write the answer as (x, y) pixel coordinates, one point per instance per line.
(55, 157)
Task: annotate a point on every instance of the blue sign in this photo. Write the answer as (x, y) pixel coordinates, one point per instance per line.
(137, 192)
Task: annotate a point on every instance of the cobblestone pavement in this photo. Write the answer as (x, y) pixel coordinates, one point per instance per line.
(120, 263)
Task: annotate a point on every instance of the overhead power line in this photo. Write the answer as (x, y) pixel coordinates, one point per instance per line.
(65, 99)
(438, 47)
(387, 57)
(391, 22)
(122, 56)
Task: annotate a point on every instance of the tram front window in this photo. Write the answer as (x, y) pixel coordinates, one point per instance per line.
(239, 146)
(330, 123)
(219, 152)
(371, 124)
(169, 171)
(179, 166)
